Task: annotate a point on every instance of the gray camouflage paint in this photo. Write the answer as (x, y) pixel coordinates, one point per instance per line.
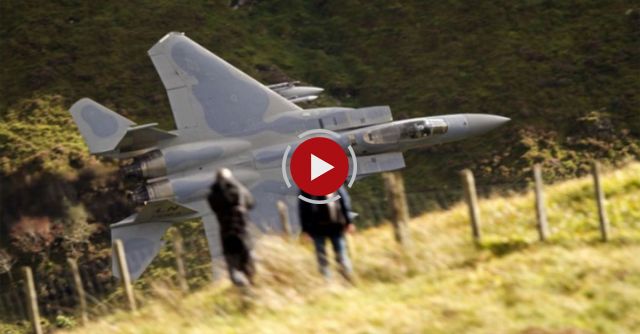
(212, 102)
(221, 103)
(180, 159)
(102, 124)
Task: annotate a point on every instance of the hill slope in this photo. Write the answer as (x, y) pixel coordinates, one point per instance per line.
(442, 284)
(565, 72)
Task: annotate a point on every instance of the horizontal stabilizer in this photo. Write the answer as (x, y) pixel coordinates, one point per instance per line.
(162, 210)
(108, 133)
(378, 163)
(142, 242)
(142, 137)
(142, 234)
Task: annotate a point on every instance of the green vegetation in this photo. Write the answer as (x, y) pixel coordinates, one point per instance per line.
(566, 72)
(442, 284)
(41, 130)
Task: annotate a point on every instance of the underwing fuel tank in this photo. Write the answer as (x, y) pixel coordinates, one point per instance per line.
(421, 132)
(177, 158)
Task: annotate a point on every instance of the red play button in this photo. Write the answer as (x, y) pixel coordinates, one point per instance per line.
(319, 166)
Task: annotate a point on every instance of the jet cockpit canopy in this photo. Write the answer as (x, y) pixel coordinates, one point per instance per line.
(406, 131)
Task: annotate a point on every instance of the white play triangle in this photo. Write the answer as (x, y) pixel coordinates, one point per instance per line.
(319, 167)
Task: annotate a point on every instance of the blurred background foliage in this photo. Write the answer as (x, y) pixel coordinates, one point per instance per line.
(566, 72)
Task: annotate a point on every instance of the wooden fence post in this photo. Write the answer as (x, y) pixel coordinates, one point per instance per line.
(77, 281)
(602, 213)
(124, 274)
(32, 300)
(399, 209)
(283, 212)
(541, 212)
(178, 252)
(472, 202)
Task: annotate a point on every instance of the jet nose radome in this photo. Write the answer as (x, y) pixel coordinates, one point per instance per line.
(481, 123)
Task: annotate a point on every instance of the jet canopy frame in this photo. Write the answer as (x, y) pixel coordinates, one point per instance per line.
(407, 131)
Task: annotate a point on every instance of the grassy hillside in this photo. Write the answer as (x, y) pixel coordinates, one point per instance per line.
(566, 72)
(442, 284)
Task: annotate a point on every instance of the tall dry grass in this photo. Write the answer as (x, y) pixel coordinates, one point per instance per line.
(441, 283)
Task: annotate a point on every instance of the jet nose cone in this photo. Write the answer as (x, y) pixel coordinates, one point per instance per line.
(481, 123)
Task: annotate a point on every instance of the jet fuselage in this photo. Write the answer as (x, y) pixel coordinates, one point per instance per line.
(184, 171)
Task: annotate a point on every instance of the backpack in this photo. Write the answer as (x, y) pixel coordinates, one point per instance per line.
(322, 213)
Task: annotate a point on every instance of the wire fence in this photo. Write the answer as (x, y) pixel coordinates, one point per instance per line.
(58, 297)
(57, 294)
(373, 211)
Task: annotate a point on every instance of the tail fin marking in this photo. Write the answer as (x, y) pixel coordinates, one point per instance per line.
(101, 128)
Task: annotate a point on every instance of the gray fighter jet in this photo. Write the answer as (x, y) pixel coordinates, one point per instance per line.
(226, 118)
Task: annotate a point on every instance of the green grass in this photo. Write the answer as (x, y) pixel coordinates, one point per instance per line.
(441, 283)
(565, 72)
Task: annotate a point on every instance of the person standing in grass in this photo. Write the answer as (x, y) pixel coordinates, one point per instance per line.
(231, 202)
(322, 222)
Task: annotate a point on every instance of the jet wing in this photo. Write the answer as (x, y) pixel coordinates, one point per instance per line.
(209, 96)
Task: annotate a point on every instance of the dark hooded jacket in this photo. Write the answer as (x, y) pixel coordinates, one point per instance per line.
(316, 219)
(230, 201)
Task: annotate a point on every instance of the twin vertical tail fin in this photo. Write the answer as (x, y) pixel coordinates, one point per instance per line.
(101, 128)
(108, 133)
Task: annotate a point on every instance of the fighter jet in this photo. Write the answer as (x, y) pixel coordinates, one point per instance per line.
(225, 118)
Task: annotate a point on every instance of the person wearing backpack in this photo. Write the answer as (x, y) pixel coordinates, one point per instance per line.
(322, 222)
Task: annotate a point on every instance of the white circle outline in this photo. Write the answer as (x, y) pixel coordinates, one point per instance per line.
(325, 201)
(354, 166)
(354, 159)
(285, 175)
(319, 131)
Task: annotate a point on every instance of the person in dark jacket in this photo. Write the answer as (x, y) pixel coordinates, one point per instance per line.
(329, 221)
(231, 201)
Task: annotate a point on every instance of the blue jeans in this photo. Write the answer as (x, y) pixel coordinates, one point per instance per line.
(340, 250)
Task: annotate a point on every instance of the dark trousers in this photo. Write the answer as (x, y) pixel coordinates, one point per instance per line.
(237, 255)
